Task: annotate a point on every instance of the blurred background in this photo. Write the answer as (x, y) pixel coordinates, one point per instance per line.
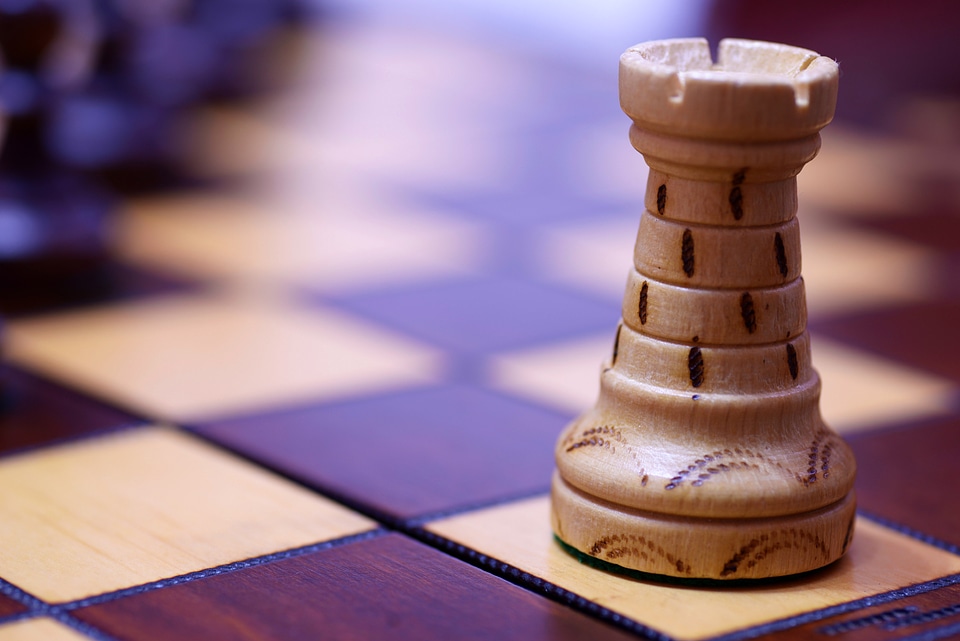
(347, 151)
(108, 99)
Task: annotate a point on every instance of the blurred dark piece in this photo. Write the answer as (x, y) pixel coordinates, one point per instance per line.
(887, 51)
(95, 96)
(53, 220)
(155, 60)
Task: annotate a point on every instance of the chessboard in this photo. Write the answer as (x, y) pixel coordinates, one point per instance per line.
(318, 392)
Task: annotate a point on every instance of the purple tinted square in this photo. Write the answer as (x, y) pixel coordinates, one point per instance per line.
(36, 412)
(409, 453)
(383, 587)
(476, 317)
(922, 335)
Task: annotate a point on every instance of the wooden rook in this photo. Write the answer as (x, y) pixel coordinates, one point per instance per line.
(705, 455)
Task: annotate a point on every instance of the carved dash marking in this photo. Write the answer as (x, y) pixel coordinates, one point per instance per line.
(781, 254)
(736, 195)
(818, 459)
(643, 303)
(661, 199)
(792, 361)
(759, 548)
(825, 460)
(618, 546)
(594, 437)
(736, 203)
(616, 346)
(695, 365)
(717, 462)
(748, 313)
(686, 252)
(607, 438)
(848, 536)
(733, 564)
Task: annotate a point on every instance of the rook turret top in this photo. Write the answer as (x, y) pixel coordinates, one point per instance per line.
(754, 92)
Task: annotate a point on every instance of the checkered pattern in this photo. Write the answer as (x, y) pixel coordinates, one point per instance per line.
(371, 346)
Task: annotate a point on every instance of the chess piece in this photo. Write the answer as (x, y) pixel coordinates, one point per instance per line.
(53, 222)
(705, 455)
(131, 124)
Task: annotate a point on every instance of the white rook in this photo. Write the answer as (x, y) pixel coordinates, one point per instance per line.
(705, 455)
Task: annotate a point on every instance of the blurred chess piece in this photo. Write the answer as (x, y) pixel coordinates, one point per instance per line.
(705, 455)
(154, 63)
(53, 221)
(97, 96)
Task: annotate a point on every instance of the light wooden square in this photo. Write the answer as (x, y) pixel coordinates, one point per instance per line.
(593, 256)
(341, 240)
(39, 629)
(858, 172)
(351, 111)
(565, 376)
(846, 271)
(519, 534)
(865, 391)
(142, 505)
(193, 357)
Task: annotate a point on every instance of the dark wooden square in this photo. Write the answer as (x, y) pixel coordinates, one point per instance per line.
(9, 607)
(389, 587)
(22, 294)
(36, 412)
(908, 475)
(479, 316)
(408, 453)
(922, 335)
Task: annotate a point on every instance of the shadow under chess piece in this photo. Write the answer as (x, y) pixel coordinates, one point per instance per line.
(705, 455)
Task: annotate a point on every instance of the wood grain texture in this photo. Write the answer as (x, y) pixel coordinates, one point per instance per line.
(8, 606)
(694, 546)
(879, 560)
(932, 614)
(39, 629)
(779, 93)
(387, 587)
(137, 506)
(715, 257)
(740, 316)
(710, 203)
(638, 430)
(708, 407)
(34, 411)
(726, 369)
(183, 358)
(908, 475)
